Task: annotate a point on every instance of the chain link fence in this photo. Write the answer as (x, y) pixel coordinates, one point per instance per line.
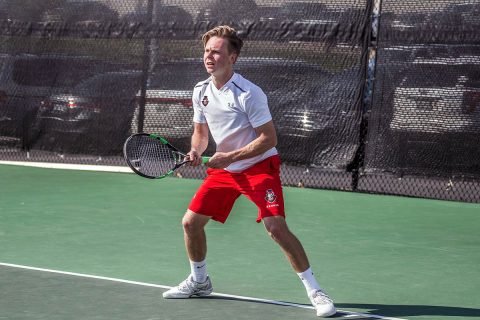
(372, 96)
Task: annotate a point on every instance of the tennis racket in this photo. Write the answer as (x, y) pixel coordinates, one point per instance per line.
(152, 156)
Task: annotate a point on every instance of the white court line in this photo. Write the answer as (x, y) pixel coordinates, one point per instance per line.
(83, 167)
(348, 314)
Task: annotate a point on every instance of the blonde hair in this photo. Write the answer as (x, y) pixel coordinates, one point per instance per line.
(235, 44)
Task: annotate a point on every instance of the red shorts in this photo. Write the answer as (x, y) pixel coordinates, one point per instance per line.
(259, 183)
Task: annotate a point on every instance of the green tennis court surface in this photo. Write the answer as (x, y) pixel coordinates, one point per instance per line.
(377, 255)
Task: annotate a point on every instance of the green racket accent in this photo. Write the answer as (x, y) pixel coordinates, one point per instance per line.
(164, 141)
(159, 138)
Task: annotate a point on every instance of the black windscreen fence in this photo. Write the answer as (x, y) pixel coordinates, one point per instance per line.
(371, 96)
(424, 118)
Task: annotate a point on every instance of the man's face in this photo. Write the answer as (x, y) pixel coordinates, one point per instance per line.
(216, 58)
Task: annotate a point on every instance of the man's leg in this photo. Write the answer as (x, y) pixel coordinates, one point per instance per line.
(198, 282)
(277, 228)
(194, 235)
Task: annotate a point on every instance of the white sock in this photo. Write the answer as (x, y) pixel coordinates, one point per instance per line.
(199, 271)
(308, 280)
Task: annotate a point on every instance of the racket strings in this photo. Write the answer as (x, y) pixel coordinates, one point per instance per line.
(150, 156)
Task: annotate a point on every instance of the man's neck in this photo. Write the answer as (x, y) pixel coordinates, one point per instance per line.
(220, 81)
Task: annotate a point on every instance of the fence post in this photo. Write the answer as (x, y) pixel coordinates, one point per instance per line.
(372, 9)
(145, 66)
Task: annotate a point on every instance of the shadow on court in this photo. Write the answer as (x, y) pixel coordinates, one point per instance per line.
(30, 294)
(413, 310)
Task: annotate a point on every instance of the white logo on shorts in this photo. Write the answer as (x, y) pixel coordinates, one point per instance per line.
(270, 197)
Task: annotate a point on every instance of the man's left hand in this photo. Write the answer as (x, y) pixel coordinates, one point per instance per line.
(220, 160)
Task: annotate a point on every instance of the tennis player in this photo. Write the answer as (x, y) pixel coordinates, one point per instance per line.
(246, 162)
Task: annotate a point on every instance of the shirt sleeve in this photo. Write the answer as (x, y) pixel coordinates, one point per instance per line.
(256, 107)
(198, 115)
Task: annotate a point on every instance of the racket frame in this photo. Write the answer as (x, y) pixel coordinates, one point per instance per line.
(178, 155)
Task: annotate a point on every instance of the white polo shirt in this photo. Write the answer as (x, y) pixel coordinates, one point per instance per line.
(232, 112)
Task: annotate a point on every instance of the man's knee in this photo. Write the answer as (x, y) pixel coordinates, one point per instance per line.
(193, 222)
(276, 228)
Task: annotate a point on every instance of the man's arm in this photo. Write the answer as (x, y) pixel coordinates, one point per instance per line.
(199, 143)
(266, 139)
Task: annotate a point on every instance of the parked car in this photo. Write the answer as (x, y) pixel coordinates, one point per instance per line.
(439, 96)
(435, 120)
(315, 112)
(25, 80)
(168, 101)
(96, 113)
(321, 122)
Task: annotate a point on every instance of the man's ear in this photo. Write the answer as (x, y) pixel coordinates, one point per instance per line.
(234, 58)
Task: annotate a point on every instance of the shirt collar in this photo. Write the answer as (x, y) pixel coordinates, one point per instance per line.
(229, 83)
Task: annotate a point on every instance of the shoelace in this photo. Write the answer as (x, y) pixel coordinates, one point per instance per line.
(321, 297)
(186, 285)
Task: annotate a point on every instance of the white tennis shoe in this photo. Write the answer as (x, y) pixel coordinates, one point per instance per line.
(189, 288)
(322, 303)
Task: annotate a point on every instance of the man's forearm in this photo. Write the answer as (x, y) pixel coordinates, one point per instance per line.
(266, 139)
(258, 146)
(199, 143)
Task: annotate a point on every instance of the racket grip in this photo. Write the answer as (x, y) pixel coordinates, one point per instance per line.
(205, 159)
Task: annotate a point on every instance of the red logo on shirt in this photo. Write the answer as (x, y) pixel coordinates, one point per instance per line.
(205, 101)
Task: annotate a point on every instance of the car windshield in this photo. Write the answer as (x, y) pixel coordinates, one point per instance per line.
(110, 84)
(50, 72)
